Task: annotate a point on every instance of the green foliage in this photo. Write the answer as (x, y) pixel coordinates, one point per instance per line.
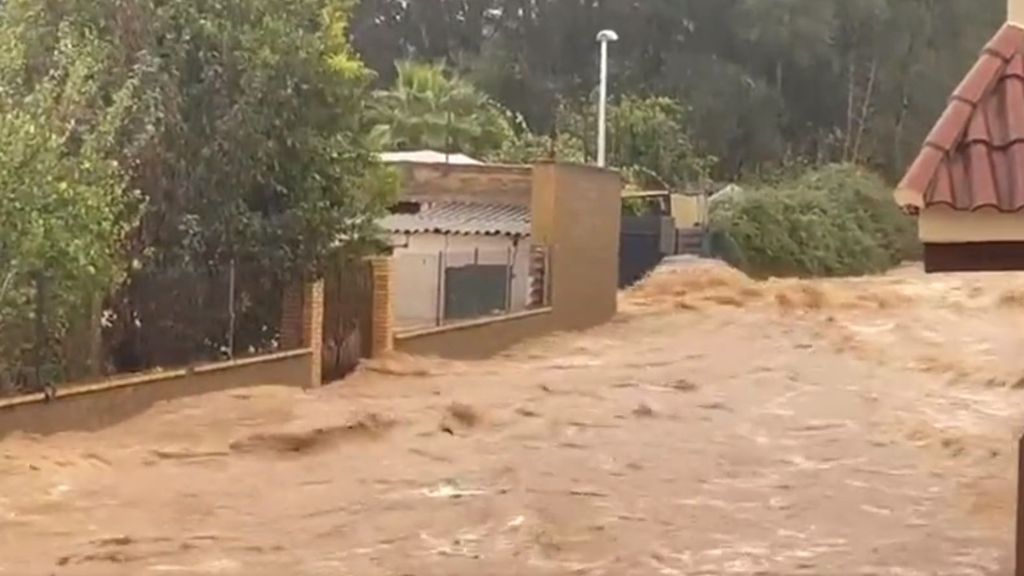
(431, 108)
(64, 206)
(838, 221)
(768, 82)
(525, 147)
(241, 124)
(648, 139)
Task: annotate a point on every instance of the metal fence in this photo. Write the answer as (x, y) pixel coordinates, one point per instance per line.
(435, 289)
(160, 317)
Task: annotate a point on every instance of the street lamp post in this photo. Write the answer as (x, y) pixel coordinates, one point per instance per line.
(604, 37)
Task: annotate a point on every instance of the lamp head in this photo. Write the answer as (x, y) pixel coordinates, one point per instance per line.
(607, 36)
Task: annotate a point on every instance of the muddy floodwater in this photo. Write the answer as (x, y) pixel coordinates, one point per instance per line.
(717, 426)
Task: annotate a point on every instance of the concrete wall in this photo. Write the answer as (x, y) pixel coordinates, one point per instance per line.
(509, 185)
(576, 213)
(477, 340)
(689, 211)
(416, 269)
(96, 406)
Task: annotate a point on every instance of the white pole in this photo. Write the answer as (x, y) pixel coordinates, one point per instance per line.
(604, 37)
(602, 114)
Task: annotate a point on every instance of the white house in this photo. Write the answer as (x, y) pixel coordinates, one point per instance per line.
(435, 239)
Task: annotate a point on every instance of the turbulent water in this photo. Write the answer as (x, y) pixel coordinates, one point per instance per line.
(718, 426)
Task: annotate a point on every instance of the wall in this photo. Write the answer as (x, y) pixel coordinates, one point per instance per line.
(477, 340)
(576, 212)
(416, 271)
(95, 406)
(509, 185)
(943, 225)
(689, 211)
(86, 407)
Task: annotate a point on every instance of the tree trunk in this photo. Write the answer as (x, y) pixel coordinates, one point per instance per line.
(851, 85)
(865, 109)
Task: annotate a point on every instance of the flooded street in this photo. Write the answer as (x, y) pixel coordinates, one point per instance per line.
(718, 426)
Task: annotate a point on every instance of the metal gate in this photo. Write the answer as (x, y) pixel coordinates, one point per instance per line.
(348, 314)
(645, 242)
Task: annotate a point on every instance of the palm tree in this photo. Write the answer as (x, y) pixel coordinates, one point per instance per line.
(428, 107)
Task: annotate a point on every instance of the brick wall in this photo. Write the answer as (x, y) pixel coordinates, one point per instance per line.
(510, 185)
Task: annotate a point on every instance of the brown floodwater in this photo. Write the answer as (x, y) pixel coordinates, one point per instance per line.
(717, 426)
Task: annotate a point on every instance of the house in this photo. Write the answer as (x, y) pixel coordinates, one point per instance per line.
(457, 260)
(966, 186)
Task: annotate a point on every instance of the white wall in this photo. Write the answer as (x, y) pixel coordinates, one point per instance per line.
(416, 267)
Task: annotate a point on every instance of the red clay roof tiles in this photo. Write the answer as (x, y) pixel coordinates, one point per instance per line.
(974, 156)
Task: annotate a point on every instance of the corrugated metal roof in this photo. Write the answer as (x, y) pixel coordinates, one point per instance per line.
(462, 218)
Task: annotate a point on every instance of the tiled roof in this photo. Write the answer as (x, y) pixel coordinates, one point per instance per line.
(462, 218)
(974, 156)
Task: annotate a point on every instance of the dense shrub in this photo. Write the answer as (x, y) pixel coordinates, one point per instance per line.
(836, 221)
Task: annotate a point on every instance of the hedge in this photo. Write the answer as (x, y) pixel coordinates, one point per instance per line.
(836, 221)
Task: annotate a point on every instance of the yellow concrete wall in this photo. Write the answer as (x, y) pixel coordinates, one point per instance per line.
(477, 340)
(577, 213)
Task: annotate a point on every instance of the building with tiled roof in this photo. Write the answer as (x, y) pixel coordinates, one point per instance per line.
(967, 184)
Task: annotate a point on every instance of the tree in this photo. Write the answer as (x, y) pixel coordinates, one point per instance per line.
(430, 108)
(246, 141)
(65, 208)
(769, 82)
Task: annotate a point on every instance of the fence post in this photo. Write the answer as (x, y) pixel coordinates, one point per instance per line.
(382, 317)
(442, 273)
(509, 278)
(41, 339)
(231, 311)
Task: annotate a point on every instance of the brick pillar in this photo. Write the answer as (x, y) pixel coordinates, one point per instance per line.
(302, 324)
(382, 330)
(291, 317)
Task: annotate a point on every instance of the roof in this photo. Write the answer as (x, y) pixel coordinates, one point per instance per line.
(428, 157)
(627, 193)
(974, 156)
(462, 218)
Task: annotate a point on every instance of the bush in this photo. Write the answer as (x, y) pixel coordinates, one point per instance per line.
(836, 221)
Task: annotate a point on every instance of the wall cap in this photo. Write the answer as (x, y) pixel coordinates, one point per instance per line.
(421, 333)
(148, 378)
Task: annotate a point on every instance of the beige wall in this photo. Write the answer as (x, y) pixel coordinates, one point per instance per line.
(943, 225)
(689, 211)
(92, 407)
(509, 185)
(477, 340)
(576, 212)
